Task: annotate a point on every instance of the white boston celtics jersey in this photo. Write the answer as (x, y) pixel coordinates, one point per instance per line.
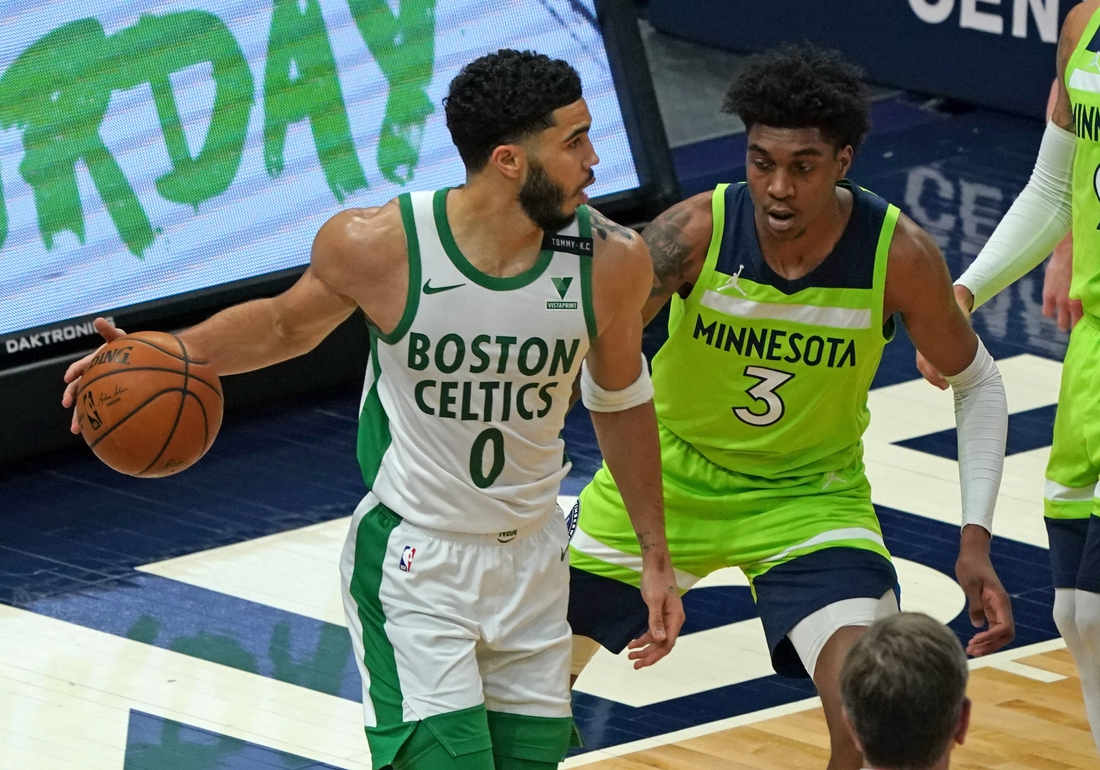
(464, 401)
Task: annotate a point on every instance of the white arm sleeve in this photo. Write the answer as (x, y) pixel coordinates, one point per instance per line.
(981, 420)
(596, 399)
(1038, 220)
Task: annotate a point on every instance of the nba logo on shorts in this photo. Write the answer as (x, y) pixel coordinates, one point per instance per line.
(406, 563)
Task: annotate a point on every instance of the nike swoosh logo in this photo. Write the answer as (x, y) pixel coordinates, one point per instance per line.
(429, 289)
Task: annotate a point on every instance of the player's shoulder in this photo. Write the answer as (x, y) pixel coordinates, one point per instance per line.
(913, 252)
(1076, 21)
(620, 258)
(367, 237)
(613, 243)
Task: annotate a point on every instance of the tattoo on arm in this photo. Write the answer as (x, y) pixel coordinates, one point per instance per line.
(602, 225)
(669, 249)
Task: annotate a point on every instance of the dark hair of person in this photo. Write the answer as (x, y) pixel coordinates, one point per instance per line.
(504, 97)
(802, 86)
(903, 685)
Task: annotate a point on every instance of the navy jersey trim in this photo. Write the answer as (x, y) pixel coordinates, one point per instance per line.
(850, 265)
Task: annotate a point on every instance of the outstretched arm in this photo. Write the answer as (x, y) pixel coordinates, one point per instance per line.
(617, 392)
(266, 331)
(1040, 216)
(919, 287)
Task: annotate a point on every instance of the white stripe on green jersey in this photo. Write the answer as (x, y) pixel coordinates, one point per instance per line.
(464, 401)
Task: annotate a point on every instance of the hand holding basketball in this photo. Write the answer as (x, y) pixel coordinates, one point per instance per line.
(145, 407)
(109, 332)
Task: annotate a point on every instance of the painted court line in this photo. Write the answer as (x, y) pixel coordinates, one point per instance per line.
(1000, 660)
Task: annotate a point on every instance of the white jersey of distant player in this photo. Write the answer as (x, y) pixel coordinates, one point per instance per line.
(475, 389)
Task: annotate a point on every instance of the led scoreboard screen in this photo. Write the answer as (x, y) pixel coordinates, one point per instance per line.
(150, 150)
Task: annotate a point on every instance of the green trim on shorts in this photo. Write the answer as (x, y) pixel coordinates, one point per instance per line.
(461, 732)
(391, 731)
(536, 739)
(458, 740)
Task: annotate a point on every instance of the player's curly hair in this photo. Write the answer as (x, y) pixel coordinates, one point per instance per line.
(504, 97)
(802, 86)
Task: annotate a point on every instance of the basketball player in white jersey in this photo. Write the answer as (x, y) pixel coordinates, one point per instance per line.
(482, 302)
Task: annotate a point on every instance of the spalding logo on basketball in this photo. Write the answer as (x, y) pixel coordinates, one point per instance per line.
(146, 408)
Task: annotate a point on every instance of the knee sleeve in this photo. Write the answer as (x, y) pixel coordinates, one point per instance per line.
(1065, 612)
(455, 741)
(530, 743)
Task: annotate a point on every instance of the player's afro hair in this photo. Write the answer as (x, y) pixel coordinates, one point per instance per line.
(504, 97)
(802, 86)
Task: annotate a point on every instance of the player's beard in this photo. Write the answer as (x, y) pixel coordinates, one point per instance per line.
(542, 198)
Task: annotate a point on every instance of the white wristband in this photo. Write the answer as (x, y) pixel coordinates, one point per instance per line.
(1039, 218)
(596, 399)
(981, 419)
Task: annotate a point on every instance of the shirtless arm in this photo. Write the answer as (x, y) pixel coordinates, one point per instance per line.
(918, 286)
(678, 241)
(263, 332)
(622, 279)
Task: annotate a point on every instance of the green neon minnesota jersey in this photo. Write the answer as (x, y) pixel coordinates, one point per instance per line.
(769, 377)
(1083, 84)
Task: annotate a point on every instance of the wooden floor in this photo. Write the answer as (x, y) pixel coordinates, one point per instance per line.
(1018, 723)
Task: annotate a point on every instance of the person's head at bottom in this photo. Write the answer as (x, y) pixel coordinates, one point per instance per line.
(903, 686)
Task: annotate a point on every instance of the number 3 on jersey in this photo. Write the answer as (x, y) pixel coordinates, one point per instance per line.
(770, 381)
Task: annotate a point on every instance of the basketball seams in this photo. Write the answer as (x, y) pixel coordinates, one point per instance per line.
(179, 413)
(178, 356)
(105, 375)
(205, 421)
(153, 376)
(134, 411)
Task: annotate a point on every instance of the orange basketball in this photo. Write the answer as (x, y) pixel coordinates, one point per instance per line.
(146, 408)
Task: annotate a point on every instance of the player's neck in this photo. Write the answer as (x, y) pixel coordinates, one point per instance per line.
(492, 230)
(795, 257)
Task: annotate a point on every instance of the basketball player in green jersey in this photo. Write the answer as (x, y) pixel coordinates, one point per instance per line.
(483, 301)
(1064, 193)
(783, 295)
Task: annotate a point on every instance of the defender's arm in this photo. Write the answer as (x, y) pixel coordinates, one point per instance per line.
(616, 389)
(918, 286)
(678, 240)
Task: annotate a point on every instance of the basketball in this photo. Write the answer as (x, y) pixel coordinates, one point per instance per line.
(146, 408)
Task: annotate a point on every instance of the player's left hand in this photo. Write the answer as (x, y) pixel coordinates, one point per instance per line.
(666, 613)
(988, 602)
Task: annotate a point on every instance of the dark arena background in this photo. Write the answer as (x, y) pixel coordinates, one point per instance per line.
(161, 161)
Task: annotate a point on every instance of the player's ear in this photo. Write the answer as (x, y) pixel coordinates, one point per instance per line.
(509, 160)
(844, 160)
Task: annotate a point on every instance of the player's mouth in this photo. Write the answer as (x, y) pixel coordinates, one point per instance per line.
(583, 195)
(781, 219)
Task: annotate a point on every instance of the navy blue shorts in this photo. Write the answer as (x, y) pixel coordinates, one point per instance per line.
(1075, 552)
(613, 613)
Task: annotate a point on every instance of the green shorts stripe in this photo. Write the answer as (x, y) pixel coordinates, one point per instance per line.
(390, 731)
